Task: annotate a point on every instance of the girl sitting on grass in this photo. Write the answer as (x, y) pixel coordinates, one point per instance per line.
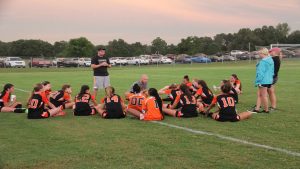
(112, 106)
(151, 107)
(37, 102)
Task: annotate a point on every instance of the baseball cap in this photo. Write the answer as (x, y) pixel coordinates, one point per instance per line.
(275, 50)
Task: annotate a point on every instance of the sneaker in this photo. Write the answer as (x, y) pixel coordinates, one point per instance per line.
(254, 111)
(272, 109)
(265, 111)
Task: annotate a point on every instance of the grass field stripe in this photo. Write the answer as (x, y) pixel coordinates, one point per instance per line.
(230, 139)
(20, 89)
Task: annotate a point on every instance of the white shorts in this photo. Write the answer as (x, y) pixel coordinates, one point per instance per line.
(101, 82)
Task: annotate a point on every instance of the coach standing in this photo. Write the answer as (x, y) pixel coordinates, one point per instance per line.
(100, 63)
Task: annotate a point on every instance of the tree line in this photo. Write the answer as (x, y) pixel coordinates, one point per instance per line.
(82, 47)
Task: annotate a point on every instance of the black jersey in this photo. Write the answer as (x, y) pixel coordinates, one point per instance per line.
(113, 106)
(82, 105)
(226, 106)
(100, 71)
(277, 63)
(59, 98)
(206, 95)
(188, 108)
(36, 106)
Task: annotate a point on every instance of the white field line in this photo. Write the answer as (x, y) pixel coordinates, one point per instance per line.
(230, 139)
(219, 136)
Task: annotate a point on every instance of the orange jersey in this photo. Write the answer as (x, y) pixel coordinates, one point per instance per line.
(151, 109)
(5, 98)
(189, 84)
(44, 97)
(136, 101)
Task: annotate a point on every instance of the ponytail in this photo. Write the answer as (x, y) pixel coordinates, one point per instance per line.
(36, 88)
(185, 89)
(110, 91)
(153, 92)
(83, 90)
(5, 88)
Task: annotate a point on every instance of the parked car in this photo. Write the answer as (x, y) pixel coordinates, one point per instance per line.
(145, 61)
(215, 58)
(200, 59)
(228, 58)
(288, 53)
(66, 62)
(236, 52)
(2, 64)
(118, 61)
(86, 62)
(58, 62)
(133, 61)
(155, 59)
(38, 62)
(165, 60)
(183, 59)
(14, 62)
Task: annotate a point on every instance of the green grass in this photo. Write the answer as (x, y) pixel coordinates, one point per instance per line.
(92, 142)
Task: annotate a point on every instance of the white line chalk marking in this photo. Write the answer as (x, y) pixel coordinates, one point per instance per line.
(230, 139)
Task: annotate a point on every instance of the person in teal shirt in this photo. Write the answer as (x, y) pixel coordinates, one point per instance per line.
(264, 79)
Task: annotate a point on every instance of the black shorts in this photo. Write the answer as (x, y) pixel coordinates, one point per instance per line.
(0, 108)
(187, 112)
(57, 103)
(38, 114)
(113, 115)
(265, 85)
(227, 118)
(82, 109)
(83, 112)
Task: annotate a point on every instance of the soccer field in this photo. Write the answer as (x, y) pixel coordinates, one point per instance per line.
(93, 142)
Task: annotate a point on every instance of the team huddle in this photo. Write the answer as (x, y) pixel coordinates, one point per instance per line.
(188, 99)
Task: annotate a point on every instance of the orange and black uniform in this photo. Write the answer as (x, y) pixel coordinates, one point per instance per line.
(4, 99)
(82, 106)
(173, 93)
(36, 108)
(136, 101)
(113, 106)
(226, 106)
(188, 108)
(236, 82)
(151, 109)
(60, 98)
(206, 95)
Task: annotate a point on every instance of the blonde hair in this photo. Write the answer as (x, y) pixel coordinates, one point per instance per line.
(264, 51)
(109, 91)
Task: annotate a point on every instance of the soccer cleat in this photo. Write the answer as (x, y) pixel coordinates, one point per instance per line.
(265, 111)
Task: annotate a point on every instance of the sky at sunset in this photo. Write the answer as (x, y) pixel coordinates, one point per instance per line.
(138, 21)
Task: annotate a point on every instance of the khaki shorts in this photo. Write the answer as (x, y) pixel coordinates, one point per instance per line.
(101, 82)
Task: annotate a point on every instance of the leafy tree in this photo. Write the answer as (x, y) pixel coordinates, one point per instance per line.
(294, 37)
(4, 48)
(28, 48)
(159, 45)
(59, 48)
(80, 47)
(118, 48)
